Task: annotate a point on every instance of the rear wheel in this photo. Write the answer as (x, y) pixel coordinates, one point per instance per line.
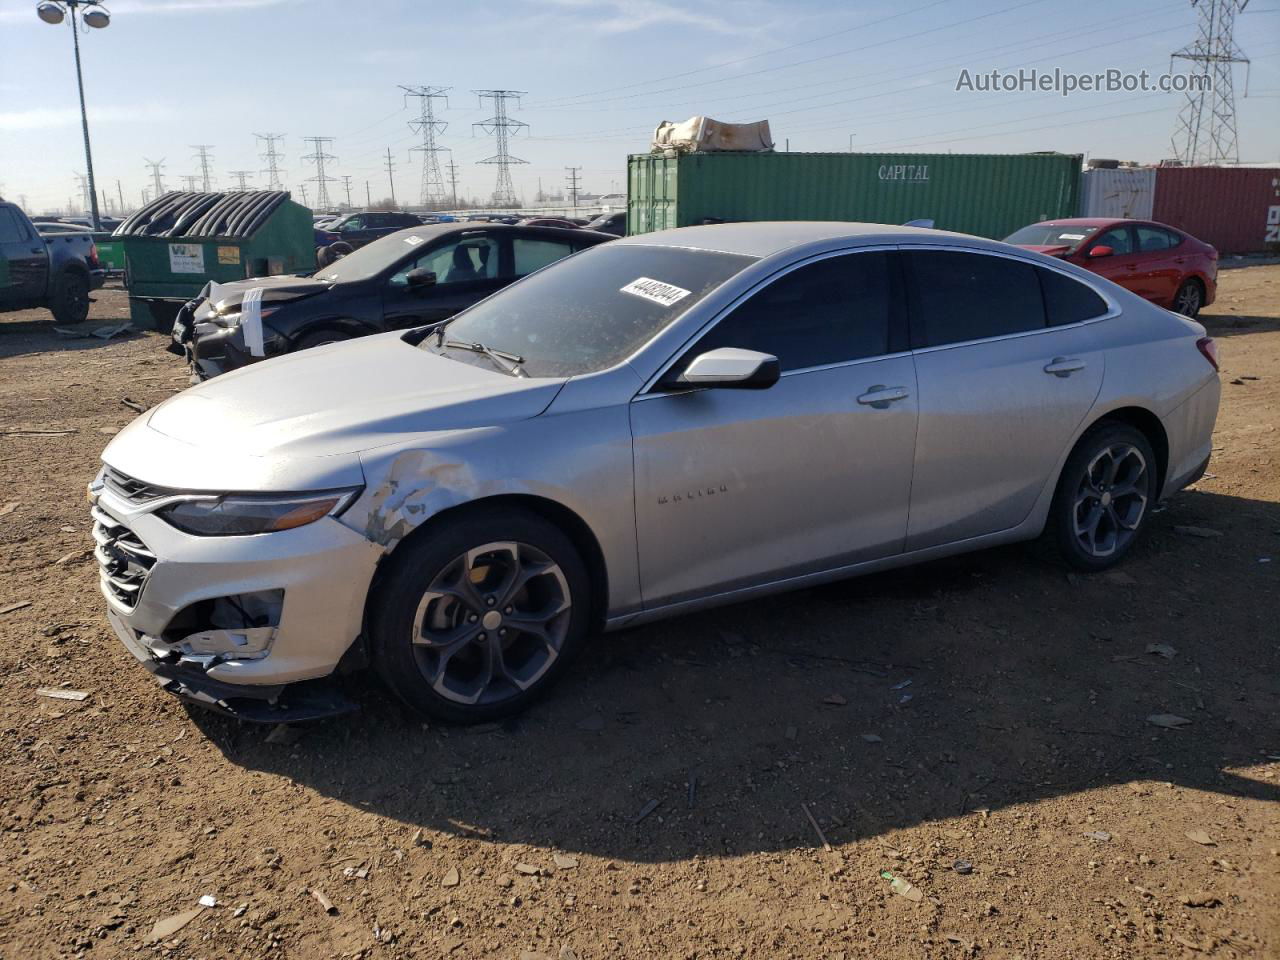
(478, 619)
(1104, 496)
(69, 299)
(1188, 299)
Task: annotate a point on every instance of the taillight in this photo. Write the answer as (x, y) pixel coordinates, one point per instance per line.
(93, 255)
(1209, 350)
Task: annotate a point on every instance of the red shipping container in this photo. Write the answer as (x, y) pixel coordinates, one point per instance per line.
(1237, 209)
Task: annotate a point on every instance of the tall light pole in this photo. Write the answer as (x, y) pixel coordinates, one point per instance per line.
(95, 15)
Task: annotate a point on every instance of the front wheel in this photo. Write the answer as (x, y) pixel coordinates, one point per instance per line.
(1104, 496)
(476, 620)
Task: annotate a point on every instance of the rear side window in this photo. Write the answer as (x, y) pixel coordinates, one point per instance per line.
(970, 296)
(534, 254)
(1067, 300)
(831, 311)
(1151, 239)
(11, 229)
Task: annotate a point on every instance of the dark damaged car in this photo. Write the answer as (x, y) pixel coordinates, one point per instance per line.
(413, 277)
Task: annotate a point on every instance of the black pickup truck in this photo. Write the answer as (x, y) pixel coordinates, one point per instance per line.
(56, 271)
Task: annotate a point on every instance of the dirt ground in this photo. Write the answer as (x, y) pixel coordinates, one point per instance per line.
(976, 727)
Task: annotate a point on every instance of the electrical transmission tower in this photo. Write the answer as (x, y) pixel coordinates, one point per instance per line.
(155, 166)
(391, 179)
(1206, 131)
(318, 156)
(346, 182)
(272, 157)
(202, 154)
(83, 182)
(190, 180)
(501, 128)
(242, 177)
(427, 126)
(453, 182)
(572, 177)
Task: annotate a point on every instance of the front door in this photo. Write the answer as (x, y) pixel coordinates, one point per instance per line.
(468, 267)
(1121, 266)
(741, 487)
(1001, 390)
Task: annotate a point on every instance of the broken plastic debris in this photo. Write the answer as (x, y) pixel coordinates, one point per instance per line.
(170, 925)
(1202, 838)
(902, 888)
(208, 900)
(58, 693)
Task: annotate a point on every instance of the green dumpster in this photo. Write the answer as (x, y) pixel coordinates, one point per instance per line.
(110, 252)
(176, 244)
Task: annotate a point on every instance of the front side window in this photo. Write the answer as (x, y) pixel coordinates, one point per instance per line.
(463, 260)
(591, 311)
(830, 311)
(970, 296)
(1117, 239)
(531, 254)
(355, 223)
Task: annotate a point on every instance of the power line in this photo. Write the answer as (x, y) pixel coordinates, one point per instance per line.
(156, 166)
(501, 127)
(202, 154)
(427, 126)
(318, 156)
(1206, 130)
(272, 157)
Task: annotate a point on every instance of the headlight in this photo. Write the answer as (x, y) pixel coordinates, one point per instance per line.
(238, 516)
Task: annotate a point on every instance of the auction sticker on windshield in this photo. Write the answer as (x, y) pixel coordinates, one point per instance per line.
(655, 290)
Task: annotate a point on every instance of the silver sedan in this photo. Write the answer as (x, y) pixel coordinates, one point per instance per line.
(651, 426)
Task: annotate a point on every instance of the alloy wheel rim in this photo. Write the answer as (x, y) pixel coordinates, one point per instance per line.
(1188, 299)
(491, 623)
(1111, 500)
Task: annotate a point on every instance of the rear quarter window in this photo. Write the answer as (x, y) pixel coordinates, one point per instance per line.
(1067, 300)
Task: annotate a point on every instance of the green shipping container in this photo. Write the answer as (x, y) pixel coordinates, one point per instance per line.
(989, 195)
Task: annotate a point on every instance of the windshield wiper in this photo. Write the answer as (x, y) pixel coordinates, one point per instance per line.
(507, 362)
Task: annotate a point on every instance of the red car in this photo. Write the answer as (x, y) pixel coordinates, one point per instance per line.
(1157, 262)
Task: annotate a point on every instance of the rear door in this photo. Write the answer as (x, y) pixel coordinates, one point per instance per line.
(468, 266)
(1161, 275)
(740, 487)
(24, 259)
(1001, 389)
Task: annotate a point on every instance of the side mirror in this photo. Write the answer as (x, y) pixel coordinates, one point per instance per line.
(732, 368)
(1100, 251)
(420, 279)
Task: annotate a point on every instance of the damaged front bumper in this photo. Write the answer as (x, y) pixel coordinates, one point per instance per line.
(237, 623)
(212, 348)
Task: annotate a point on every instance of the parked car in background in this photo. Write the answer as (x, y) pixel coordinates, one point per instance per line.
(656, 425)
(56, 270)
(50, 228)
(615, 223)
(412, 277)
(1155, 261)
(357, 229)
(549, 222)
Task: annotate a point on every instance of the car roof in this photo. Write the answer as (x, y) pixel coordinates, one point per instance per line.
(766, 237)
(432, 231)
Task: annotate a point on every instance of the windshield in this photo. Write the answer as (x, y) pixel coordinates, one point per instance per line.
(591, 310)
(1052, 235)
(371, 259)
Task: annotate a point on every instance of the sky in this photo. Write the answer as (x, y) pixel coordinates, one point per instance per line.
(597, 76)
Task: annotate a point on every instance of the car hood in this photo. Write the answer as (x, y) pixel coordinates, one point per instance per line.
(228, 296)
(1054, 250)
(266, 421)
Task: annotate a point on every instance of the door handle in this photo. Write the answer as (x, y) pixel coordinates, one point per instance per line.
(1064, 366)
(881, 396)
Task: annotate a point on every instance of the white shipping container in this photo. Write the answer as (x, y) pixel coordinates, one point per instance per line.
(1123, 192)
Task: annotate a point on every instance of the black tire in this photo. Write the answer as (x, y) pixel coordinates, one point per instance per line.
(413, 569)
(1189, 298)
(318, 338)
(69, 298)
(322, 257)
(1068, 515)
